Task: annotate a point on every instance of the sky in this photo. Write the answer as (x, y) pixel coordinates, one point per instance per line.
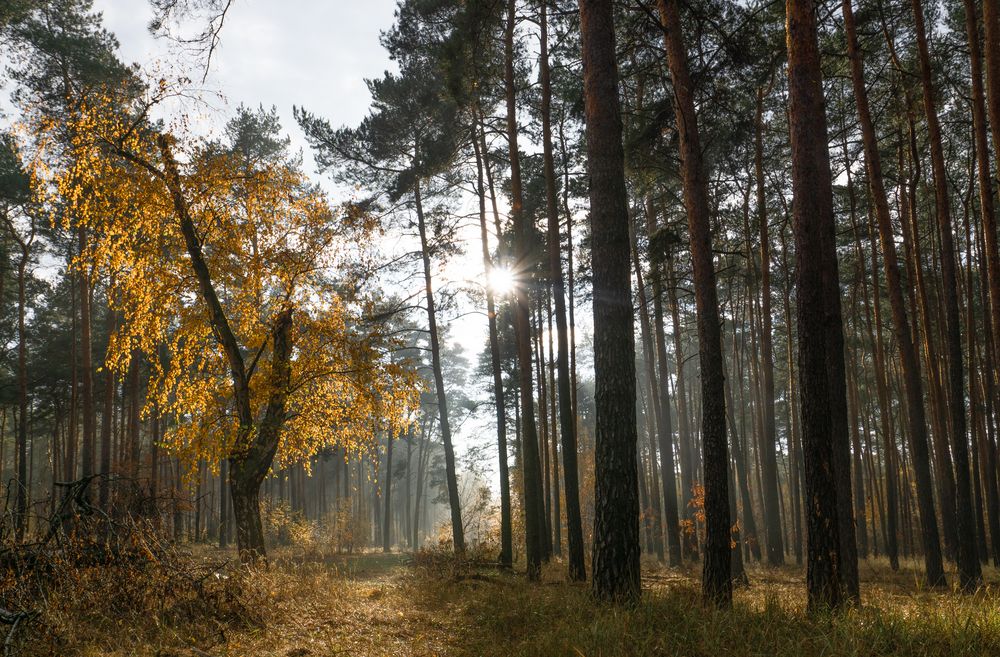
(293, 52)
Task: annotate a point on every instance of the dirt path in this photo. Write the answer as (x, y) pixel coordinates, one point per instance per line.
(358, 606)
(374, 604)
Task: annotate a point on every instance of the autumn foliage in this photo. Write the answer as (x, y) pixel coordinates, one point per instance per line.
(272, 243)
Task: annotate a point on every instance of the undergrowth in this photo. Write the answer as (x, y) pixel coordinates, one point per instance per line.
(200, 602)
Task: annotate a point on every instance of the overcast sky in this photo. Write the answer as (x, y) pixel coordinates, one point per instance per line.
(314, 54)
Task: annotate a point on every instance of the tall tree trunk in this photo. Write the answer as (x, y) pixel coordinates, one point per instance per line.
(910, 364)
(543, 434)
(716, 583)
(506, 556)
(987, 205)
(688, 456)
(989, 385)
(795, 443)
(87, 365)
(418, 491)
(73, 433)
(851, 379)
(387, 493)
(816, 281)
(768, 456)
(408, 499)
(616, 504)
(569, 260)
(668, 474)
(107, 420)
(223, 504)
(531, 466)
(451, 477)
(969, 571)
(659, 430)
(567, 421)
(134, 409)
(890, 520)
(553, 422)
(21, 499)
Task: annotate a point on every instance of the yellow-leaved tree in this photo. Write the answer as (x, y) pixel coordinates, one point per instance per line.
(246, 290)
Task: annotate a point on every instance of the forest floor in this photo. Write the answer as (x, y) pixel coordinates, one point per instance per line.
(375, 604)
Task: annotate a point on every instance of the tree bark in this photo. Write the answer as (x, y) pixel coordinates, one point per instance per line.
(814, 229)
(657, 427)
(991, 30)
(107, 419)
(909, 363)
(506, 556)
(969, 570)
(387, 492)
(668, 473)
(87, 365)
(688, 450)
(768, 456)
(533, 502)
(21, 498)
(567, 421)
(451, 477)
(616, 504)
(716, 582)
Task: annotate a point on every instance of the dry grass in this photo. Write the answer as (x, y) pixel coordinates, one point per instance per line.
(375, 604)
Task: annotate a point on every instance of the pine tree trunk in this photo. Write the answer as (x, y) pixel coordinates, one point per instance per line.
(991, 29)
(716, 583)
(910, 364)
(531, 465)
(567, 420)
(506, 556)
(553, 422)
(969, 570)
(87, 365)
(688, 455)
(768, 456)
(989, 447)
(543, 434)
(451, 477)
(813, 227)
(657, 426)
(668, 474)
(616, 504)
(21, 497)
(987, 205)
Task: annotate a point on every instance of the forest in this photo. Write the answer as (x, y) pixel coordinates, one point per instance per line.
(499, 327)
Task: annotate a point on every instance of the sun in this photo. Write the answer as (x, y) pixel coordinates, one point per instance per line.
(501, 281)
